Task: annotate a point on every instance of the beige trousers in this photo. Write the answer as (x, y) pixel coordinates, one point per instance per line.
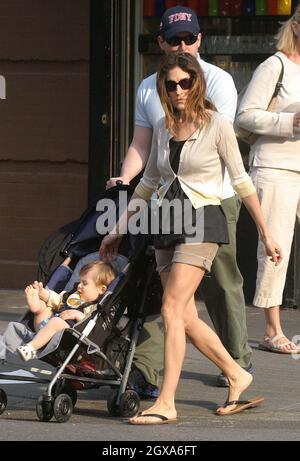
(279, 195)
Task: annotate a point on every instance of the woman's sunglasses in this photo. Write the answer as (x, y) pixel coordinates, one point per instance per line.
(185, 84)
(187, 39)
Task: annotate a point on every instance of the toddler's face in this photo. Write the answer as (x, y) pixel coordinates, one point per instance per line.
(87, 288)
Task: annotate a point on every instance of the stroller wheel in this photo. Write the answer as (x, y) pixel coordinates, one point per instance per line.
(44, 408)
(129, 404)
(3, 401)
(62, 408)
(113, 408)
(66, 388)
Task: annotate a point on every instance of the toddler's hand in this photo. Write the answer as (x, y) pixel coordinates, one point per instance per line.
(71, 314)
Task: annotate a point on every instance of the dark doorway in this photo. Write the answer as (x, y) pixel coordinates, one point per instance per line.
(111, 91)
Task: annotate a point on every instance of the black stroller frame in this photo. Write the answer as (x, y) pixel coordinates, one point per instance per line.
(133, 291)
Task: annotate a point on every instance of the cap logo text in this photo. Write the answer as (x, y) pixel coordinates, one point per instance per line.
(180, 17)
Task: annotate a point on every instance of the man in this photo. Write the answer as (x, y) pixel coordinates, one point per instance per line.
(223, 289)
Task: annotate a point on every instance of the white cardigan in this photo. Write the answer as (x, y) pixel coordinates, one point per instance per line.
(202, 164)
(279, 143)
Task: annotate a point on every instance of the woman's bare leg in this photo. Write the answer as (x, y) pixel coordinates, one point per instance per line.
(207, 342)
(273, 328)
(178, 307)
(179, 286)
(54, 325)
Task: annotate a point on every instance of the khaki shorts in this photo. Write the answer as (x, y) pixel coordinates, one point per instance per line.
(194, 254)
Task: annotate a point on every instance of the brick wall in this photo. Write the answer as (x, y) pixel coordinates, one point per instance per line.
(44, 58)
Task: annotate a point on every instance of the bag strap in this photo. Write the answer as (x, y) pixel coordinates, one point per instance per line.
(278, 87)
(280, 78)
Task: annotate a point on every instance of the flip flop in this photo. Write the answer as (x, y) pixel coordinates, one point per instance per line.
(161, 420)
(241, 405)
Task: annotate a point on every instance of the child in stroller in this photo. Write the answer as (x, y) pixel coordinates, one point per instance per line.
(99, 350)
(54, 312)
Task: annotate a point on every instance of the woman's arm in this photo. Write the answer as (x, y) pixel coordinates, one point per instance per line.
(253, 111)
(240, 180)
(139, 201)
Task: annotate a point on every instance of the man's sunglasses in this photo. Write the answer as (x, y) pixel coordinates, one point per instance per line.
(185, 84)
(187, 39)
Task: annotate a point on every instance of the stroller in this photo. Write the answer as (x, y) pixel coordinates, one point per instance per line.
(99, 350)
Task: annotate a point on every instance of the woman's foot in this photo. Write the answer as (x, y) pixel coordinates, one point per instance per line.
(280, 344)
(165, 415)
(33, 299)
(237, 385)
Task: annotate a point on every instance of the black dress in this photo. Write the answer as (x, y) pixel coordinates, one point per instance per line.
(211, 218)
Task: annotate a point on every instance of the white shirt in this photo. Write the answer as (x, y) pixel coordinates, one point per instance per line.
(221, 92)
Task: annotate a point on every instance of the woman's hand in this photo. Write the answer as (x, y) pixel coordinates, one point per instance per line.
(273, 250)
(109, 247)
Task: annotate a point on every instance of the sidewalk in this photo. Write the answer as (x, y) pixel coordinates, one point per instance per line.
(276, 378)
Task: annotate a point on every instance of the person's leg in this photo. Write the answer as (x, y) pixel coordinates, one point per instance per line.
(210, 345)
(180, 287)
(278, 192)
(28, 351)
(54, 325)
(148, 356)
(222, 291)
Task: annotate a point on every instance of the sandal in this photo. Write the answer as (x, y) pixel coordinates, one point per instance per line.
(240, 405)
(269, 344)
(159, 420)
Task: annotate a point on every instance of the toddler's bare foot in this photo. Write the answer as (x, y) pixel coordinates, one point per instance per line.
(33, 299)
(43, 292)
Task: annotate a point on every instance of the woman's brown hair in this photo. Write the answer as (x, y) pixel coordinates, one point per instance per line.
(197, 107)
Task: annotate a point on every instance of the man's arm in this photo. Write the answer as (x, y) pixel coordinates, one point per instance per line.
(136, 157)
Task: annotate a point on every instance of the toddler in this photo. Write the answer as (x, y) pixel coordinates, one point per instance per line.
(53, 312)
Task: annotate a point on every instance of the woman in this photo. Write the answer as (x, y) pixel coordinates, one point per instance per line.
(275, 160)
(189, 149)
